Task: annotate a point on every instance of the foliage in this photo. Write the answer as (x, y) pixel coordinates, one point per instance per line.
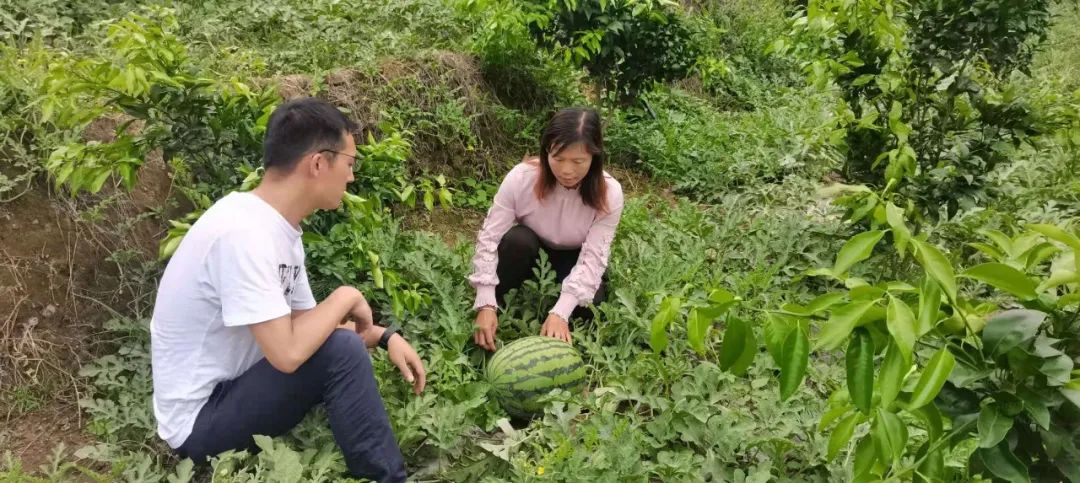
(927, 90)
(625, 44)
(214, 126)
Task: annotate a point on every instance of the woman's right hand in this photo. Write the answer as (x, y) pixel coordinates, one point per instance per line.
(486, 324)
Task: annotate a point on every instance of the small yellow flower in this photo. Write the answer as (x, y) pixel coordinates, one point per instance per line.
(540, 471)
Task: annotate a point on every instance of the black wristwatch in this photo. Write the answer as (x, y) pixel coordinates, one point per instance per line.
(384, 341)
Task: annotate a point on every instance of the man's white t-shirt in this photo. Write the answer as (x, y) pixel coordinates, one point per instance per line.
(241, 263)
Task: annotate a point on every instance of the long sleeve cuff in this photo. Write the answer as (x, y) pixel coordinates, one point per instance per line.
(485, 295)
(565, 306)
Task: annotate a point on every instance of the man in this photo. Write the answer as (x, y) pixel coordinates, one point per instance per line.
(239, 346)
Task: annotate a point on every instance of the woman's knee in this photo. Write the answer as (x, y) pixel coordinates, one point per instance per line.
(519, 240)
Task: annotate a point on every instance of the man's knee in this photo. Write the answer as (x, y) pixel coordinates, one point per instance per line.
(343, 346)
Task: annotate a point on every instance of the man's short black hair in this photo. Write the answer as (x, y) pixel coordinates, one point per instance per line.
(301, 126)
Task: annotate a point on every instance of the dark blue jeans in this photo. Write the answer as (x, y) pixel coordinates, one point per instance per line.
(269, 402)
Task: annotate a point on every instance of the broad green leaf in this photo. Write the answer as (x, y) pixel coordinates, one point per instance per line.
(819, 304)
(1055, 233)
(1008, 329)
(989, 250)
(1067, 300)
(99, 181)
(1001, 461)
(840, 325)
(932, 468)
(746, 358)
(1072, 395)
(1035, 405)
(930, 415)
(901, 325)
(865, 456)
(993, 426)
(795, 357)
(721, 296)
(669, 308)
(1003, 277)
(1058, 278)
(1001, 240)
(734, 342)
(1038, 254)
(1056, 370)
(834, 413)
(890, 435)
(183, 473)
(777, 329)
(696, 328)
(933, 377)
(937, 266)
(860, 369)
(857, 249)
(893, 370)
(841, 435)
(901, 234)
(929, 306)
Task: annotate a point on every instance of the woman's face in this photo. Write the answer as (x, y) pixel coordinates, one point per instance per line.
(570, 164)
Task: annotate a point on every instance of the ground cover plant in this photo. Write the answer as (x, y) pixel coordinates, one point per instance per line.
(849, 250)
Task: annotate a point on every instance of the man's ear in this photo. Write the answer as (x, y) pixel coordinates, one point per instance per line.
(314, 164)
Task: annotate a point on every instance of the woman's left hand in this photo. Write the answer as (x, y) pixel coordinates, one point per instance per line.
(556, 327)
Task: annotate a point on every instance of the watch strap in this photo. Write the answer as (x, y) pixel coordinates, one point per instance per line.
(384, 341)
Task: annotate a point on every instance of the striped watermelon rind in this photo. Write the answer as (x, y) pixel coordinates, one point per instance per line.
(529, 368)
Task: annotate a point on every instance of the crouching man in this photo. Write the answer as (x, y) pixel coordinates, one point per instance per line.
(239, 345)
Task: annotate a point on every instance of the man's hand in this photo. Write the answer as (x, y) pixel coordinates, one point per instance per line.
(556, 327)
(404, 357)
(486, 324)
(360, 313)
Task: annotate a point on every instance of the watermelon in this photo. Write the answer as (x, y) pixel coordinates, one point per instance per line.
(531, 367)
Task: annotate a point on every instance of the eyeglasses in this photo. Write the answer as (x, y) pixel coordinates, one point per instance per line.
(356, 159)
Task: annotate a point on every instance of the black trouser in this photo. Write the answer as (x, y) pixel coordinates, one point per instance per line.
(519, 253)
(269, 402)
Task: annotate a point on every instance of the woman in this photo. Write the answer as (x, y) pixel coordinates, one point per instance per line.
(561, 202)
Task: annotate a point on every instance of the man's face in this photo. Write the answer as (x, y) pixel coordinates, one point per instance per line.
(335, 173)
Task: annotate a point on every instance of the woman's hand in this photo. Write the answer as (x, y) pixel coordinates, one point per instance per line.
(556, 327)
(486, 324)
(407, 361)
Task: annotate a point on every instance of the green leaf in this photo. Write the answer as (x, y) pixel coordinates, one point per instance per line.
(932, 469)
(930, 415)
(933, 377)
(993, 426)
(696, 329)
(929, 306)
(776, 331)
(1038, 254)
(669, 308)
(1055, 233)
(841, 435)
(734, 342)
(99, 181)
(840, 325)
(795, 357)
(1008, 329)
(1058, 278)
(857, 249)
(989, 250)
(901, 234)
(184, 472)
(937, 266)
(1002, 240)
(819, 304)
(746, 358)
(901, 325)
(893, 370)
(1057, 370)
(865, 457)
(1001, 461)
(890, 435)
(1067, 300)
(1003, 277)
(860, 369)
(1035, 405)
